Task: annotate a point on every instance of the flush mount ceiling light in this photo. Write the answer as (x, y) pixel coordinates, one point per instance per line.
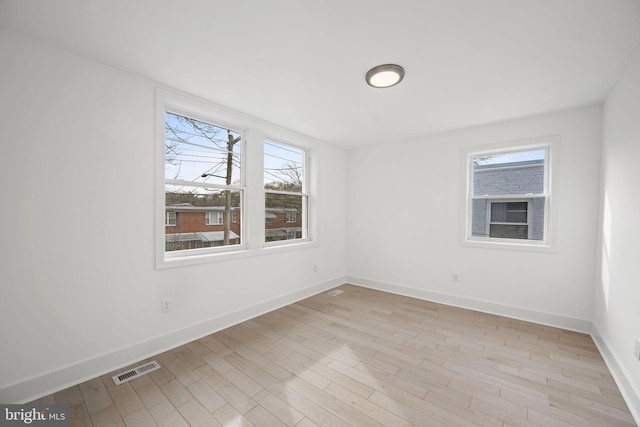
(386, 75)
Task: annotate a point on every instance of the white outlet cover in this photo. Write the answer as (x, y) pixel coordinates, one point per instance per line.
(638, 349)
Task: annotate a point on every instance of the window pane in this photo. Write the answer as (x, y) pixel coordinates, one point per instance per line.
(510, 173)
(498, 212)
(283, 216)
(515, 212)
(205, 217)
(200, 152)
(517, 206)
(507, 231)
(283, 167)
(517, 217)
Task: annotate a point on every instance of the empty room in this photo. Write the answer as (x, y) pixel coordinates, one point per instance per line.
(320, 213)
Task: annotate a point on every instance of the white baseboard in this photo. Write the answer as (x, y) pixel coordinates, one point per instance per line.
(43, 385)
(629, 393)
(555, 320)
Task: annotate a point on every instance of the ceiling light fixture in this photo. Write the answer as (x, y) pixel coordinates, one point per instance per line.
(386, 75)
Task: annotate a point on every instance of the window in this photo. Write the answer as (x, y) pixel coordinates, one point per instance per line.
(203, 182)
(286, 199)
(291, 217)
(170, 218)
(508, 195)
(214, 218)
(224, 190)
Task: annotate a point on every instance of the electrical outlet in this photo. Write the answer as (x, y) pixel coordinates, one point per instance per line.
(638, 349)
(455, 277)
(167, 305)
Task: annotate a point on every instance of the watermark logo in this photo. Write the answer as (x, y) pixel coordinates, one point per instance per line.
(34, 415)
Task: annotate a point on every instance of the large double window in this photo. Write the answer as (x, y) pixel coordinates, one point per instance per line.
(226, 188)
(508, 194)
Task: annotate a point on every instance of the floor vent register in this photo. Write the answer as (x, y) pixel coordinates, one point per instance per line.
(135, 372)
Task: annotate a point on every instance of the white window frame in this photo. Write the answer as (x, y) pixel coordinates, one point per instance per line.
(551, 145)
(304, 194)
(252, 215)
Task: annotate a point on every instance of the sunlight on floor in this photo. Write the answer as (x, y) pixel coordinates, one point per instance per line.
(345, 361)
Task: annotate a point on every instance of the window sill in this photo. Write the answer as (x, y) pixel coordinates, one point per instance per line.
(508, 245)
(212, 257)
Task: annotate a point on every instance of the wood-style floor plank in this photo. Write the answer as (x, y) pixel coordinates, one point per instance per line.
(364, 358)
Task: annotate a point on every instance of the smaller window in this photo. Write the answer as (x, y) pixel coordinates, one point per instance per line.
(291, 217)
(508, 194)
(213, 218)
(171, 218)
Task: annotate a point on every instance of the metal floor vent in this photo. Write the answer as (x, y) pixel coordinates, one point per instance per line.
(135, 372)
(336, 292)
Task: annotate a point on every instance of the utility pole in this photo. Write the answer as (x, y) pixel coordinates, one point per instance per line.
(231, 141)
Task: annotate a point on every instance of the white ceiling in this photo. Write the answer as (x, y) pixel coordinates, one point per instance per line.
(301, 63)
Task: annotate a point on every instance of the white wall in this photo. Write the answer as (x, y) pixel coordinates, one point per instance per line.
(80, 294)
(404, 213)
(617, 297)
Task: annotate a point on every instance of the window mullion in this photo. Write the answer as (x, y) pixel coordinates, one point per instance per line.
(254, 198)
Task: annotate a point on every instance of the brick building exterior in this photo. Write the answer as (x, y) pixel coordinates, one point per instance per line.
(192, 227)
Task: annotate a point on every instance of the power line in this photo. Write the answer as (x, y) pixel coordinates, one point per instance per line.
(283, 147)
(213, 148)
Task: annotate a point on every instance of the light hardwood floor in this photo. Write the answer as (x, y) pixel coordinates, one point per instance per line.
(365, 358)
